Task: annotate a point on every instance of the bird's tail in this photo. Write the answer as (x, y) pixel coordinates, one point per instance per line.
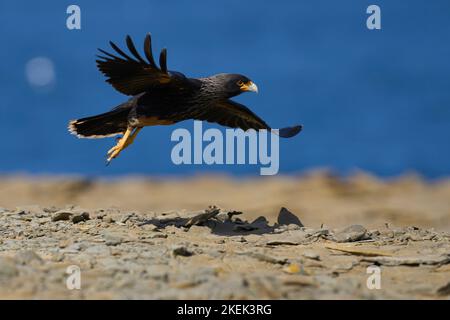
(103, 125)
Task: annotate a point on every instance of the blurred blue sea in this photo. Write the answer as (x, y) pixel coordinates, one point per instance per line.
(371, 100)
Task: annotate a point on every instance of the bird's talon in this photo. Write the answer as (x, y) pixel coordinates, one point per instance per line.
(111, 150)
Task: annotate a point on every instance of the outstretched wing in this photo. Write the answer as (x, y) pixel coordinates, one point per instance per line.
(133, 75)
(235, 115)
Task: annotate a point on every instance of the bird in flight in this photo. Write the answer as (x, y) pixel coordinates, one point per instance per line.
(162, 97)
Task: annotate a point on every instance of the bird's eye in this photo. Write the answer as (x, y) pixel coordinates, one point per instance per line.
(240, 83)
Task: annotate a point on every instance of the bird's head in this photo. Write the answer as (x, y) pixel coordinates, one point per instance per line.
(235, 84)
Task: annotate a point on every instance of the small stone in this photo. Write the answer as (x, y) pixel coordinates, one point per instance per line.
(80, 217)
(182, 251)
(112, 239)
(64, 243)
(292, 268)
(61, 216)
(350, 234)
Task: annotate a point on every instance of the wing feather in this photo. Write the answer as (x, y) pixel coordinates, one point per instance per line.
(133, 75)
(148, 50)
(133, 50)
(235, 115)
(231, 114)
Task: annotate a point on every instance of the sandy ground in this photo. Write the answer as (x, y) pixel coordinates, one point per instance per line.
(157, 238)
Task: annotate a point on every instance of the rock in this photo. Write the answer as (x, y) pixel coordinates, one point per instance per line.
(112, 239)
(64, 243)
(285, 217)
(350, 234)
(80, 217)
(182, 251)
(62, 216)
(292, 268)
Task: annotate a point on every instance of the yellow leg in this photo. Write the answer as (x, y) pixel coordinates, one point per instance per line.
(123, 142)
(132, 137)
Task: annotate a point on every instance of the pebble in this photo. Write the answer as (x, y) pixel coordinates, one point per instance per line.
(80, 217)
(112, 239)
(350, 234)
(292, 268)
(61, 216)
(182, 251)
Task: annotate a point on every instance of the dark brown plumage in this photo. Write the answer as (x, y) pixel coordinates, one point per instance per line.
(163, 97)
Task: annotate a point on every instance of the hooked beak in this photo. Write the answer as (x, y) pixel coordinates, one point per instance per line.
(249, 86)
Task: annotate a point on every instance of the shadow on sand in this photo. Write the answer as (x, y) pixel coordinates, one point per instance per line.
(224, 223)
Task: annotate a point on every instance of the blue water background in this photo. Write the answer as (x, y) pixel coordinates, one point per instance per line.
(371, 100)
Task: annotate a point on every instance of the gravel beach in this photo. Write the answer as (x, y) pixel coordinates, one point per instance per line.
(292, 249)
